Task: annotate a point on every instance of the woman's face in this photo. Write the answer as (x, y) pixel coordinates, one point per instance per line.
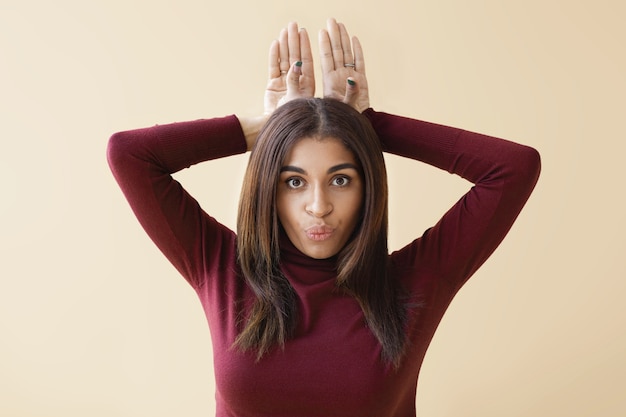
(319, 196)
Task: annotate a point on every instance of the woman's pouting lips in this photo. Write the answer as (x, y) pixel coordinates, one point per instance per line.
(319, 232)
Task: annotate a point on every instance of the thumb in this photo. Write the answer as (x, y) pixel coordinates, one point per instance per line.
(352, 91)
(293, 77)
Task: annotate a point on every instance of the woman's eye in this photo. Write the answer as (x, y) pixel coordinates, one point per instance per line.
(294, 182)
(341, 181)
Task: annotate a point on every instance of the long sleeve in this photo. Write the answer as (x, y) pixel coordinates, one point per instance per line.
(143, 161)
(504, 174)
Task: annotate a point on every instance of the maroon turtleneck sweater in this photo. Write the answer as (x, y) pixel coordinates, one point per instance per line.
(332, 365)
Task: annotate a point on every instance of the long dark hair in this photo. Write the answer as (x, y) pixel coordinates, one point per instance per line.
(362, 263)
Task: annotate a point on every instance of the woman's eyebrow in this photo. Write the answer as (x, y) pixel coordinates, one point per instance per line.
(332, 169)
(339, 167)
(292, 169)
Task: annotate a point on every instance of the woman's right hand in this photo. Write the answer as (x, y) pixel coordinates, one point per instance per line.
(287, 80)
(343, 66)
(290, 68)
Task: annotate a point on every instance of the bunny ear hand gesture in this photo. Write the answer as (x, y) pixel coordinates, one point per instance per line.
(290, 68)
(291, 73)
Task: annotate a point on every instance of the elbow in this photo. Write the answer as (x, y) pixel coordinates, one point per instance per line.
(528, 166)
(532, 162)
(119, 146)
(113, 150)
(118, 150)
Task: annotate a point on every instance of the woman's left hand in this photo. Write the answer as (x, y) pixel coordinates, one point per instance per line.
(343, 66)
(290, 68)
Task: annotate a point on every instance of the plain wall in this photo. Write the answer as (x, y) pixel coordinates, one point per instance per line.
(93, 319)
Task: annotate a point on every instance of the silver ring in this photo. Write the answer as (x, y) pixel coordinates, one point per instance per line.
(283, 72)
(349, 65)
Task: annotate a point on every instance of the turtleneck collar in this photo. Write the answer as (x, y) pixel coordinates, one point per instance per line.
(302, 268)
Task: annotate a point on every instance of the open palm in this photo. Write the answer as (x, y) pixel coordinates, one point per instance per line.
(288, 80)
(341, 61)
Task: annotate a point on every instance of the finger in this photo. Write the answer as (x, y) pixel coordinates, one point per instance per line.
(283, 50)
(293, 42)
(274, 58)
(335, 42)
(345, 45)
(306, 55)
(326, 53)
(359, 60)
(352, 91)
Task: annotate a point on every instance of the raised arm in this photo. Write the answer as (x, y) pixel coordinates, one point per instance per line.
(142, 162)
(504, 173)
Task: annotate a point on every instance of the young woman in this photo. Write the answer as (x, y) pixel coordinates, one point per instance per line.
(309, 314)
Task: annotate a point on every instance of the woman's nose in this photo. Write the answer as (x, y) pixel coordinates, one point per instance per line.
(319, 204)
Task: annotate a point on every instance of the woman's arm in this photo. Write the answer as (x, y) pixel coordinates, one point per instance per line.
(504, 174)
(142, 162)
(251, 126)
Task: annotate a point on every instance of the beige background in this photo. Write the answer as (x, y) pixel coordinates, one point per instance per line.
(95, 322)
